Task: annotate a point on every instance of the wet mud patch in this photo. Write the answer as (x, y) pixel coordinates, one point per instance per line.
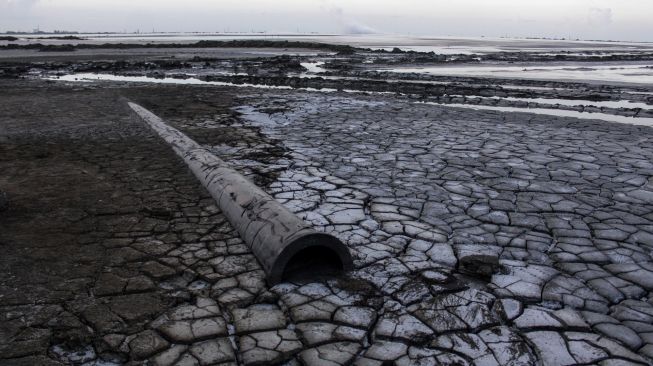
(206, 117)
(451, 216)
(97, 208)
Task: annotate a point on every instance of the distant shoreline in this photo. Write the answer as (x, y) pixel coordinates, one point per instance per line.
(55, 35)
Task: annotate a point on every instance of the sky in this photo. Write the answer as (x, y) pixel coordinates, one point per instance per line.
(584, 19)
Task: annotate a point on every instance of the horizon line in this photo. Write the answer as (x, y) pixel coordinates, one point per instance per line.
(37, 31)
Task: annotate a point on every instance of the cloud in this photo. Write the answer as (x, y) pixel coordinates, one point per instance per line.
(599, 16)
(357, 28)
(17, 4)
(16, 8)
(347, 24)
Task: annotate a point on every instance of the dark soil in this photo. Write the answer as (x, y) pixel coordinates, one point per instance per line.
(95, 201)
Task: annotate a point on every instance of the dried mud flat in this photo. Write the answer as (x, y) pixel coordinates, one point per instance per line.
(479, 237)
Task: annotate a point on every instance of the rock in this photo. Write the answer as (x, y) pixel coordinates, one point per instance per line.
(112, 341)
(620, 333)
(315, 333)
(205, 308)
(31, 361)
(146, 344)
(386, 351)
(4, 201)
(605, 344)
(537, 318)
(647, 350)
(213, 351)
(169, 357)
(102, 319)
(469, 309)
(571, 318)
(551, 348)
(109, 284)
(404, 327)
(355, 316)
(509, 308)
(188, 331)
(469, 345)
(332, 354)
(157, 270)
(584, 352)
(269, 347)
(482, 260)
(136, 306)
(258, 318)
(73, 356)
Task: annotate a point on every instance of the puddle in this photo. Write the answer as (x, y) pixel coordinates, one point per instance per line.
(314, 67)
(636, 74)
(576, 102)
(555, 112)
(439, 45)
(90, 77)
(527, 87)
(441, 50)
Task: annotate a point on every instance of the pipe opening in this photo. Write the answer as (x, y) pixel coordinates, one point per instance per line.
(313, 261)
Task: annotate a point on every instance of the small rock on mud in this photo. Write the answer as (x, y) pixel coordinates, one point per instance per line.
(4, 201)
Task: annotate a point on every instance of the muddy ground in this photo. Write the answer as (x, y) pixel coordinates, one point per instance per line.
(478, 237)
(93, 202)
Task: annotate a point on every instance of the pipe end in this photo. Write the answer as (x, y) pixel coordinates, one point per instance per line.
(309, 256)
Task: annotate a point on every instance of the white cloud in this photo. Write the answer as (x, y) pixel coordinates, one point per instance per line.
(347, 24)
(356, 28)
(599, 16)
(590, 19)
(17, 4)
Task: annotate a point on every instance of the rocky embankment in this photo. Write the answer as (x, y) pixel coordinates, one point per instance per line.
(288, 71)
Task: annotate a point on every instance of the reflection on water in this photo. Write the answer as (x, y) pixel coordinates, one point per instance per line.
(442, 50)
(439, 44)
(556, 112)
(314, 67)
(579, 102)
(87, 77)
(567, 102)
(90, 77)
(623, 73)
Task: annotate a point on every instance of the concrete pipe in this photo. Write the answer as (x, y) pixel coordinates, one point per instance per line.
(284, 244)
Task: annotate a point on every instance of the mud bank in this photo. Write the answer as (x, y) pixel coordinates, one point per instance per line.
(478, 237)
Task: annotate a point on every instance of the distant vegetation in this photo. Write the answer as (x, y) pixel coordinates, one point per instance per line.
(344, 49)
(61, 37)
(8, 38)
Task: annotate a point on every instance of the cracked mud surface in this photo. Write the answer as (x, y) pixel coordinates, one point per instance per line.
(478, 237)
